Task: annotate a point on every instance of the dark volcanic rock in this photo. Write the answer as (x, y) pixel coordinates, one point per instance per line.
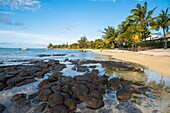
(15, 80)
(41, 107)
(2, 86)
(56, 88)
(2, 108)
(92, 66)
(82, 68)
(35, 101)
(68, 81)
(14, 72)
(18, 96)
(71, 104)
(33, 95)
(40, 74)
(96, 94)
(67, 89)
(95, 71)
(53, 62)
(92, 86)
(102, 89)
(59, 109)
(60, 67)
(80, 91)
(44, 94)
(113, 84)
(125, 83)
(101, 80)
(47, 55)
(123, 94)
(22, 103)
(41, 64)
(4, 78)
(94, 103)
(44, 55)
(27, 81)
(65, 95)
(44, 83)
(84, 79)
(56, 99)
(57, 76)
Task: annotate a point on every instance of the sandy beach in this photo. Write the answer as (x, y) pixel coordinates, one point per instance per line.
(157, 60)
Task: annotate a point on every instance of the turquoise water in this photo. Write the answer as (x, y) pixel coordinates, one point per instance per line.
(13, 54)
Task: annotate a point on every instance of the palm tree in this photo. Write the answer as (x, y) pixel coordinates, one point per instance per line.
(163, 21)
(123, 33)
(109, 35)
(142, 18)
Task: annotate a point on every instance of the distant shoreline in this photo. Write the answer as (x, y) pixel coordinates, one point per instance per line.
(157, 60)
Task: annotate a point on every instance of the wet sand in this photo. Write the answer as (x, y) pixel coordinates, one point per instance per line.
(157, 60)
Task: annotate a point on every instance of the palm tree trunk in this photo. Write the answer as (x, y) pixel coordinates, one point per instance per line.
(161, 81)
(165, 46)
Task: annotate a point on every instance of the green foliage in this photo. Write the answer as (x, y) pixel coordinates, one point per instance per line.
(50, 46)
(82, 42)
(151, 44)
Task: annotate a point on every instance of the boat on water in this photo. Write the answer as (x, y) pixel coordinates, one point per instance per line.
(23, 49)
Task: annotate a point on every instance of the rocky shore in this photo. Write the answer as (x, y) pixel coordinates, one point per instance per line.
(62, 94)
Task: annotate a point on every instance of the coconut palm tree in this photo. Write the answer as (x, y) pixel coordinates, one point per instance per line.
(123, 34)
(142, 18)
(163, 21)
(109, 35)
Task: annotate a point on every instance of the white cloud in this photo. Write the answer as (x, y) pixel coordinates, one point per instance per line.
(32, 5)
(29, 38)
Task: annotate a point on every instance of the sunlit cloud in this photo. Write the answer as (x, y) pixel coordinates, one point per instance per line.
(24, 37)
(32, 5)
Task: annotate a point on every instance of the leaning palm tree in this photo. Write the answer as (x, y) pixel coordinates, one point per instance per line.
(122, 32)
(142, 18)
(109, 35)
(163, 21)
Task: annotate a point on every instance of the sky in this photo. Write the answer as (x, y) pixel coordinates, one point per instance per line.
(36, 23)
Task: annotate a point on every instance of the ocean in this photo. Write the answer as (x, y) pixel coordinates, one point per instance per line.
(9, 55)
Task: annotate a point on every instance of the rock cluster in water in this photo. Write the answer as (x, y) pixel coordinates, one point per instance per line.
(61, 94)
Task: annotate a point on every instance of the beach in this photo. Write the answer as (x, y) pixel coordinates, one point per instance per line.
(157, 60)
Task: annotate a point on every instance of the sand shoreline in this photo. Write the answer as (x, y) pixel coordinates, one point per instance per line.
(157, 60)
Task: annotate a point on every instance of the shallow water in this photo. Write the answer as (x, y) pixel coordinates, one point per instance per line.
(144, 103)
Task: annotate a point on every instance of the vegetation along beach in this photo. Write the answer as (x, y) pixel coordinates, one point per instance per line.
(84, 56)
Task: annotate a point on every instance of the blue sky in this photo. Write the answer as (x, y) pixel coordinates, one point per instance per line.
(36, 23)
